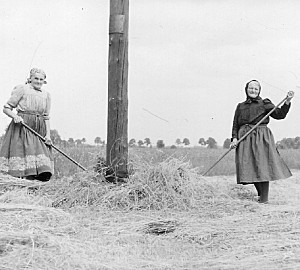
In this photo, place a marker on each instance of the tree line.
(289, 143)
(285, 143)
(209, 143)
(57, 140)
(71, 142)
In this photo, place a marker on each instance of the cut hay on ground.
(166, 217)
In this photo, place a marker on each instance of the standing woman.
(23, 154)
(257, 159)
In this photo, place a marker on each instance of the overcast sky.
(189, 61)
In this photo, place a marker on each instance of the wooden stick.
(246, 134)
(57, 149)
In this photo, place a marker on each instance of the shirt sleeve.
(279, 113)
(235, 127)
(48, 107)
(15, 98)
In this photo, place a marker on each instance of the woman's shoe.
(266, 202)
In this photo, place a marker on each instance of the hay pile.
(170, 184)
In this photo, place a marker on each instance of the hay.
(154, 221)
(28, 230)
(171, 184)
(25, 196)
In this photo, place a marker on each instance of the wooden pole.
(117, 121)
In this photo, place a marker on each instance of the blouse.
(27, 99)
(252, 111)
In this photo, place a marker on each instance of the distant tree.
(55, 137)
(178, 141)
(83, 140)
(160, 144)
(64, 143)
(226, 144)
(297, 142)
(211, 142)
(140, 143)
(173, 146)
(288, 143)
(97, 141)
(202, 142)
(147, 141)
(132, 143)
(71, 142)
(78, 142)
(186, 141)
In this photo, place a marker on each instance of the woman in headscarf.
(257, 159)
(23, 154)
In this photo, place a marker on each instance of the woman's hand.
(48, 140)
(233, 143)
(18, 119)
(289, 96)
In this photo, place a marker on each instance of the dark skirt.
(23, 153)
(257, 158)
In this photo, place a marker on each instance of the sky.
(189, 61)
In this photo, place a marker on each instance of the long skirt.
(23, 153)
(257, 158)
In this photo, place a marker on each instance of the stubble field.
(167, 216)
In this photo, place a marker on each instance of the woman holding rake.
(257, 159)
(24, 154)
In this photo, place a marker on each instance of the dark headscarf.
(250, 99)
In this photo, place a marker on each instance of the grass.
(168, 216)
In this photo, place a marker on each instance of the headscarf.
(251, 99)
(34, 71)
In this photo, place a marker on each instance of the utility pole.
(117, 121)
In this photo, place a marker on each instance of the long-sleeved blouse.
(27, 99)
(252, 111)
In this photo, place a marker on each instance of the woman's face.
(37, 80)
(253, 89)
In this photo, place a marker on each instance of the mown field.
(167, 216)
